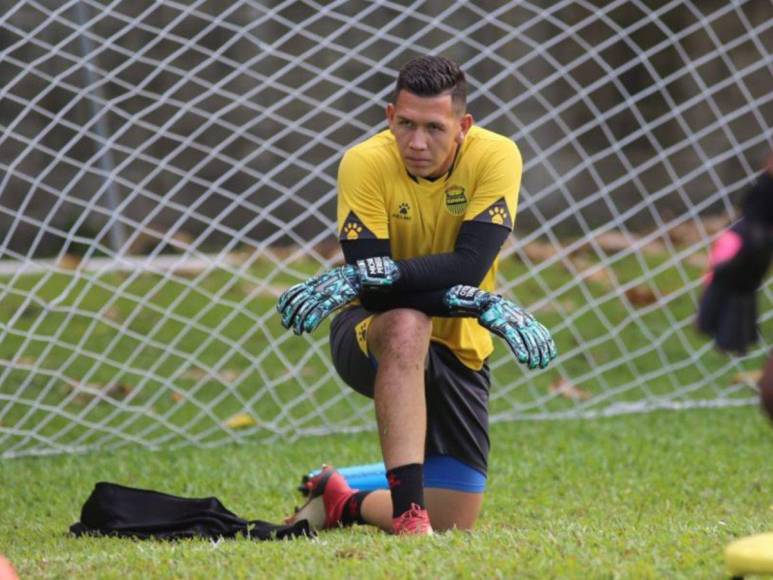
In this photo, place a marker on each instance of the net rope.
(167, 169)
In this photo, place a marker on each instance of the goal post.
(168, 168)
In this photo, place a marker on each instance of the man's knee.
(452, 510)
(403, 332)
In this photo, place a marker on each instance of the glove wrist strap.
(378, 272)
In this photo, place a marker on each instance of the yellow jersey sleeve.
(496, 194)
(362, 212)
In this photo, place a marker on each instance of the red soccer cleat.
(413, 522)
(328, 494)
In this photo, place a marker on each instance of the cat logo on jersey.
(497, 213)
(456, 200)
(354, 229)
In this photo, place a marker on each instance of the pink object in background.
(726, 246)
(6, 570)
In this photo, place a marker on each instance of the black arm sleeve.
(360, 249)
(476, 247)
(430, 303)
(424, 280)
(475, 250)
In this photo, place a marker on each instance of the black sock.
(352, 513)
(407, 486)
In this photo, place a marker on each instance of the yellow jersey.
(379, 199)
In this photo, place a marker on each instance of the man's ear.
(464, 126)
(390, 114)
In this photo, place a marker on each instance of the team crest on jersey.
(354, 229)
(456, 199)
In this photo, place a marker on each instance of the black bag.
(116, 510)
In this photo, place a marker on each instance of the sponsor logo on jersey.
(497, 213)
(354, 229)
(456, 199)
(403, 212)
(361, 333)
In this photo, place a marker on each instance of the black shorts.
(457, 396)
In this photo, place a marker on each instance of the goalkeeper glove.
(528, 339)
(305, 305)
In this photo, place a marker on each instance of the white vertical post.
(114, 225)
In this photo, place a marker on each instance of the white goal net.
(167, 168)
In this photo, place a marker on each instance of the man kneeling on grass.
(423, 210)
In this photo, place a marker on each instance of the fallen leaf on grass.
(22, 361)
(748, 377)
(118, 390)
(310, 371)
(194, 373)
(188, 272)
(113, 314)
(83, 393)
(612, 242)
(261, 290)
(177, 396)
(228, 375)
(225, 376)
(699, 260)
(283, 253)
(684, 234)
(654, 248)
(184, 238)
(240, 421)
(150, 238)
(69, 262)
(86, 392)
(601, 276)
(568, 390)
(539, 251)
(717, 223)
(561, 306)
(640, 296)
(591, 272)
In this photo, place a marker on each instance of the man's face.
(428, 132)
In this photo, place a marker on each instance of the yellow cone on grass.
(750, 555)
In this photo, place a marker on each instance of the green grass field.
(642, 496)
(98, 361)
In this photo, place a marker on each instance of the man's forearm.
(476, 248)
(430, 303)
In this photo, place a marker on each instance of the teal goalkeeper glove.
(305, 305)
(528, 339)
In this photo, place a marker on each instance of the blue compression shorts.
(445, 472)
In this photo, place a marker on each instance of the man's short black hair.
(430, 76)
